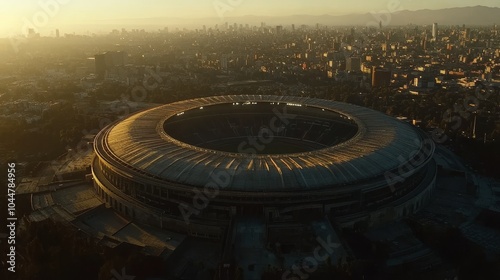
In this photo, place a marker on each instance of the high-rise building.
(353, 64)
(434, 31)
(336, 46)
(108, 61)
(467, 33)
(224, 62)
(57, 33)
(279, 29)
(381, 77)
(100, 65)
(424, 44)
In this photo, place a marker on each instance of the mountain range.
(470, 16)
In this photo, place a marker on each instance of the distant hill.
(477, 15)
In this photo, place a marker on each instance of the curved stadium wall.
(192, 166)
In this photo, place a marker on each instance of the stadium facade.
(193, 166)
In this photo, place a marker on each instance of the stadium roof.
(140, 142)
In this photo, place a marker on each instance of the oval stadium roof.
(139, 141)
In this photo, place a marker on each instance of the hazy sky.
(16, 14)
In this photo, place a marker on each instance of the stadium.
(193, 166)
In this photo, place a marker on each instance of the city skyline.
(94, 16)
(361, 146)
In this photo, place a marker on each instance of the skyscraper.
(434, 31)
(224, 62)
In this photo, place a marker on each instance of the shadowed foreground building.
(195, 165)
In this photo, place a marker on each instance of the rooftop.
(140, 143)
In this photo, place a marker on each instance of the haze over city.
(98, 16)
(250, 139)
